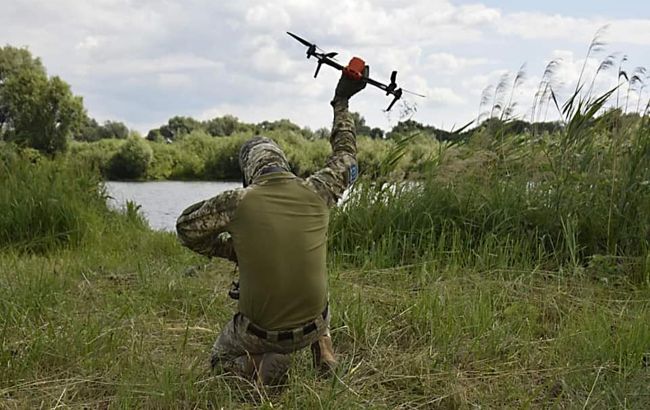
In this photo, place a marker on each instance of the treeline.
(198, 155)
(40, 112)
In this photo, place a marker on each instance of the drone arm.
(331, 63)
(376, 83)
(398, 94)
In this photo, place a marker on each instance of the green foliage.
(360, 124)
(223, 159)
(14, 61)
(553, 201)
(175, 128)
(132, 160)
(96, 155)
(226, 126)
(88, 130)
(46, 204)
(113, 129)
(36, 111)
(198, 155)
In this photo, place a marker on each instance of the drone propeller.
(318, 66)
(393, 84)
(302, 40)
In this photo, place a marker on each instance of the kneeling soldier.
(275, 228)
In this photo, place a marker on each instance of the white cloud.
(450, 63)
(174, 80)
(476, 14)
(88, 43)
(576, 30)
(146, 61)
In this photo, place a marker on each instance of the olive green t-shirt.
(279, 233)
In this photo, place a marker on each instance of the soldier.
(275, 228)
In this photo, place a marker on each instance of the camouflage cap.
(259, 153)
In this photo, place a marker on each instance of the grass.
(422, 318)
(126, 327)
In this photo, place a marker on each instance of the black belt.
(285, 334)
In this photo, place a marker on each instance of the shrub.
(132, 160)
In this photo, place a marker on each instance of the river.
(163, 201)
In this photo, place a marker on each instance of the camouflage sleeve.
(341, 168)
(203, 227)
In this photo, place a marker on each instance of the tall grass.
(552, 200)
(46, 204)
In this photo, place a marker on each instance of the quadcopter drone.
(354, 70)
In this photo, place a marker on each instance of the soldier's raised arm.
(203, 227)
(341, 168)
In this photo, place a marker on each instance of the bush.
(132, 160)
(97, 155)
(223, 162)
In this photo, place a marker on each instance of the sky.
(143, 61)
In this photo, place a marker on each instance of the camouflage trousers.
(236, 350)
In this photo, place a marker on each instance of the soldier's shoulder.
(229, 199)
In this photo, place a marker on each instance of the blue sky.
(142, 62)
(584, 8)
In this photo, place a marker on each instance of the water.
(163, 201)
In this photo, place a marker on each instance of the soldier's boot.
(273, 368)
(323, 355)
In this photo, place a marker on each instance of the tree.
(360, 124)
(278, 125)
(178, 126)
(322, 133)
(132, 160)
(376, 133)
(35, 110)
(113, 129)
(88, 130)
(409, 127)
(225, 126)
(13, 61)
(155, 135)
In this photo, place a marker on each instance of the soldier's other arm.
(203, 227)
(341, 168)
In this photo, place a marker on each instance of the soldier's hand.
(347, 87)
